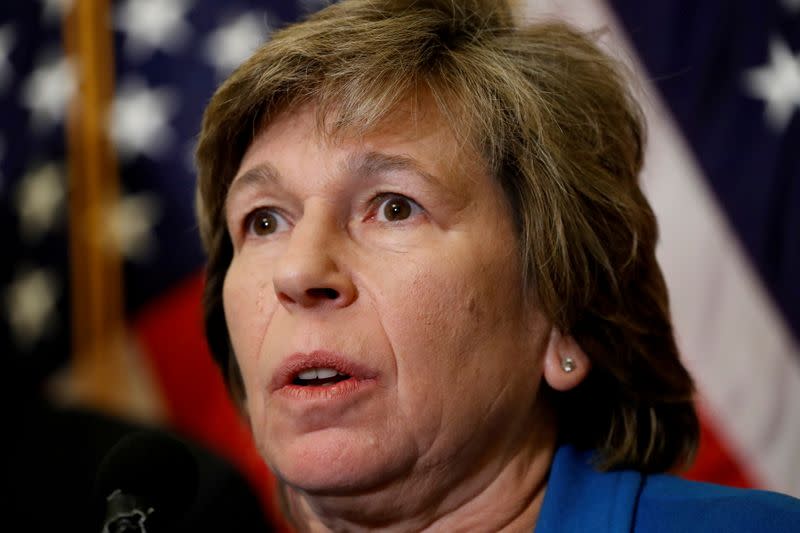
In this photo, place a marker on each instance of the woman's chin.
(337, 461)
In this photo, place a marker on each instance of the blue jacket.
(581, 499)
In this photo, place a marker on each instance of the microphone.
(145, 483)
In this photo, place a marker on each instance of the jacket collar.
(579, 498)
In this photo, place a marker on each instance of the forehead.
(414, 132)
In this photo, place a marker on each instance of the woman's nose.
(309, 274)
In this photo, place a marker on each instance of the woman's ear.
(565, 362)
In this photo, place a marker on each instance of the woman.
(432, 281)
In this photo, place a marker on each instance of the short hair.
(554, 119)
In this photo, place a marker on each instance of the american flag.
(720, 82)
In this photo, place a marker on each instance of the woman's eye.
(263, 222)
(395, 208)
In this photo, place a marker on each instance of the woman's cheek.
(434, 317)
(246, 303)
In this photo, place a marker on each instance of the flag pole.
(98, 369)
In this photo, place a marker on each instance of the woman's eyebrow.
(258, 176)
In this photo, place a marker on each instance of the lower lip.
(345, 389)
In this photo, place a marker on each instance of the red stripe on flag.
(170, 330)
(714, 462)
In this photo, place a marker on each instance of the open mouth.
(319, 377)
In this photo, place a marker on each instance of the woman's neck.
(505, 494)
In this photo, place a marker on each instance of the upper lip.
(300, 361)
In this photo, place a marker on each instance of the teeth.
(325, 373)
(317, 373)
(308, 374)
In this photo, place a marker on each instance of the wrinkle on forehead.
(418, 113)
(449, 164)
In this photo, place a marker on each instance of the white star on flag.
(39, 199)
(151, 25)
(7, 36)
(48, 90)
(791, 5)
(232, 43)
(30, 304)
(778, 84)
(54, 10)
(140, 119)
(130, 226)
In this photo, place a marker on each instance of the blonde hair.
(553, 118)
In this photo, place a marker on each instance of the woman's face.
(375, 307)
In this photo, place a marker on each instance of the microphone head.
(147, 472)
